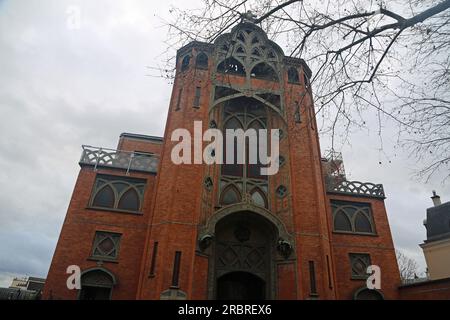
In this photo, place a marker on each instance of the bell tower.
(225, 231)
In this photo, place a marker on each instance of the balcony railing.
(355, 188)
(103, 157)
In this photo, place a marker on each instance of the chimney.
(436, 199)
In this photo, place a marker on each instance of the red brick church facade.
(142, 227)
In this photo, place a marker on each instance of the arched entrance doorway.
(243, 256)
(96, 284)
(367, 294)
(240, 286)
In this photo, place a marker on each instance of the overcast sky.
(62, 87)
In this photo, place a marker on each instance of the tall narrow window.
(153, 263)
(197, 97)
(312, 279)
(177, 107)
(185, 63)
(176, 269)
(293, 75)
(330, 284)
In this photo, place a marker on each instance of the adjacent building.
(436, 247)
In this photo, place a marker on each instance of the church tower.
(143, 226)
(226, 231)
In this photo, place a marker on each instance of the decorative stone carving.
(249, 16)
(205, 241)
(284, 248)
(208, 183)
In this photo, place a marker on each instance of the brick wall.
(75, 242)
(379, 246)
(428, 290)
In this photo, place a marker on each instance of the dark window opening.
(176, 269)
(254, 169)
(179, 99)
(312, 278)
(232, 169)
(201, 61)
(198, 92)
(293, 75)
(330, 284)
(264, 71)
(362, 224)
(104, 198)
(129, 201)
(185, 63)
(342, 223)
(231, 66)
(153, 262)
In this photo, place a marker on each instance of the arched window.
(231, 66)
(201, 61)
(341, 222)
(232, 169)
(245, 114)
(362, 224)
(118, 193)
(264, 71)
(254, 169)
(352, 217)
(258, 198)
(104, 198)
(230, 195)
(293, 75)
(185, 63)
(367, 294)
(129, 201)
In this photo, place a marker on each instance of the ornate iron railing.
(103, 157)
(356, 188)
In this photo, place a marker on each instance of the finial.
(248, 17)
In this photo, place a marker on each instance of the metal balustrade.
(356, 188)
(104, 157)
